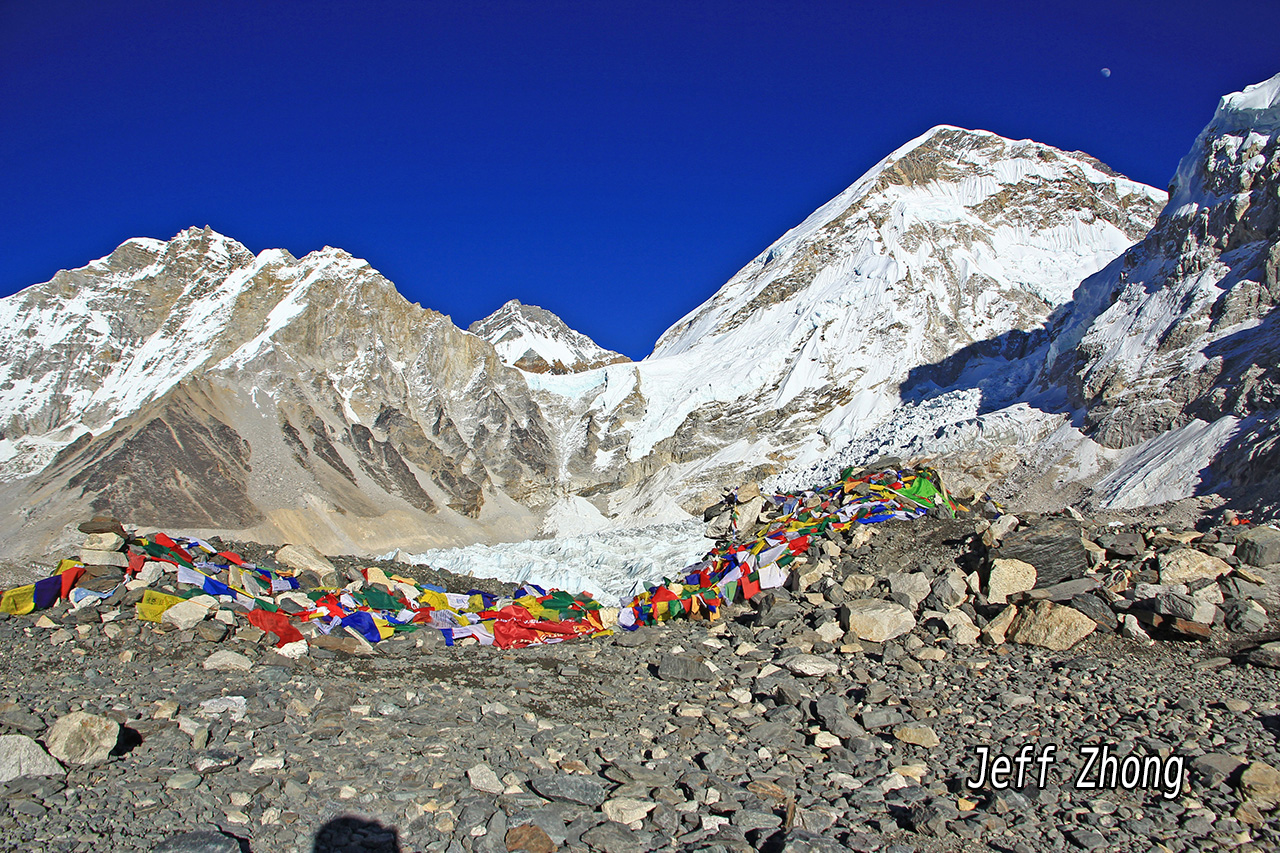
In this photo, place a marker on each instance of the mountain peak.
(536, 340)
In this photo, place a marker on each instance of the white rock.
(830, 632)
(267, 762)
(914, 585)
(225, 660)
(185, 615)
(83, 739)
(1130, 627)
(626, 809)
(103, 542)
(303, 558)
(219, 705)
(961, 628)
(811, 665)
(21, 756)
(151, 571)
(877, 621)
(483, 778)
(104, 558)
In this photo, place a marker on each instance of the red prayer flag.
(274, 623)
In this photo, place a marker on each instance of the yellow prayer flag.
(19, 601)
(154, 604)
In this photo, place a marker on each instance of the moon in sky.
(1106, 72)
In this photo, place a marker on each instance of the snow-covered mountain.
(1158, 380)
(1000, 306)
(190, 383)
(957, 237)
(536, 340)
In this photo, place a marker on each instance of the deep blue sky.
(615, 162)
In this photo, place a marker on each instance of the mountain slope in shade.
(536, 340)
(958, 237)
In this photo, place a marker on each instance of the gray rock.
(1185, 607)
(1053, 545)
(183, 780)
(749, 819)
(574, 788)
(684, 668)
(1096, 609)
(947, 592)
(616, 838)
(82, 739)
(802, 841)
(1259, 546)
(1087, 839)
(1214, 768)
(1064, 591)
(879, 718)
(931, 818)
(1245, 616)
(198, 842)
(22, 756)
(1122, 545)
(1234, 587)
(833, 712)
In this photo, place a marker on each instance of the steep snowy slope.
(536, 340)
(1159, 379)
(1190, 333)
(957, 237)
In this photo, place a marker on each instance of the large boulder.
(1053, 626)
(21, 756)
(304, 558)
(1184, 565)
(1053, 545)
(875, 620)
(1259, 546)
(82, 739)
(1009, 577)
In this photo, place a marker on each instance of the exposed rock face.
(537, 341)
(1186, 331)
(190, 384)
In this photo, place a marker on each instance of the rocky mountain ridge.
(209, 387)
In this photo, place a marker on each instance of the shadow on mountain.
(1002, 369)
(347, 834)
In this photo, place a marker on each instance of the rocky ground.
(776, 728)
